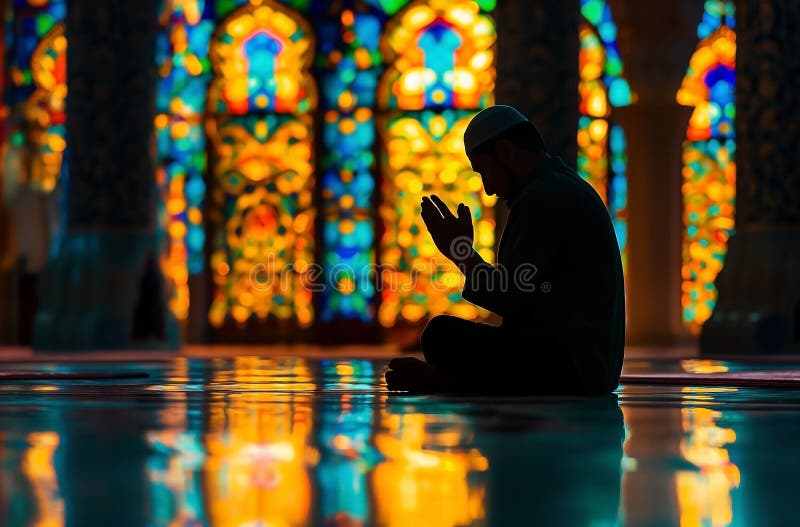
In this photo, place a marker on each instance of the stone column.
(537, 67)
(656, 40)
(537, 72)
(758, 309)
(103, 285)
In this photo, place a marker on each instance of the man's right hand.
(453, 235)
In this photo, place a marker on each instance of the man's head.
(500, 143)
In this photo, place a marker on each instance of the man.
(558, 283)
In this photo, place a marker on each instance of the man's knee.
(436, 333)
(439, 326)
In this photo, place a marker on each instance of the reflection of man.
(558, 284)
(561, 464)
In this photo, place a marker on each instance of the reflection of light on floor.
(418, 485)
(258, 446)
(37, 466)
(703, 366)
(345, 428)
(174, 468)
(704, 495)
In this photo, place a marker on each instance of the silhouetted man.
(558, 283)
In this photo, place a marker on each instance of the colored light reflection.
(704, 494)
(422, 481)
(30, 492)
(263, 452)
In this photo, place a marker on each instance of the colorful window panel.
(36, 89)
(184, 74)
(261, 134)
(440, 59)
(350, 63)
(709, 170)
(602, 154)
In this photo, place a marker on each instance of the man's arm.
(515, 288)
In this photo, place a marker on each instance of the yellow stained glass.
(440, 58)
(261, 135)
(416, 279)
(709, 168)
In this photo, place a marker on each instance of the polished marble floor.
(290, 441)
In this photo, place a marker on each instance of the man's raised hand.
(453, 235)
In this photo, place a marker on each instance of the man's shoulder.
(555, 188)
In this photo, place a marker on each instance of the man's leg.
(472, 357)
(454, 350)
(457, 347)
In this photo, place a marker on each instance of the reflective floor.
(257, 442)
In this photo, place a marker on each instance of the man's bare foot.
(413, 375)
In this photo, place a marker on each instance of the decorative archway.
(261, 177)
(440, 71)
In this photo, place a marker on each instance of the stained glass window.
(35, 90)
(349, 63)
(602, 157)
(184, 74)
(261, 133)
(440, 58)
(709, 171)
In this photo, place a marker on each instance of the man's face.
(495, 176)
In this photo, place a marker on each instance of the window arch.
(261, 142)
(709, 170)
(36, 90)
(440, 58)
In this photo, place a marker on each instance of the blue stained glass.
(607, 31)
(368, 30)
(195, 188)
(348, 140)
(619, 92)
(715, 14)
(439, 44)
(196, 237)
(617, 139)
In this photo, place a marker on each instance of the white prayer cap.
(489, 123)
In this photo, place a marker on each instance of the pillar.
(537, 72)
(537, 67)
(758, 307)
(656, 40)
(102, 288)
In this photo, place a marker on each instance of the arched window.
(184, 73)
(440, 58)
(349, 67)
(709, 171)
(602, 156)
(260, 130)
(35, 91)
